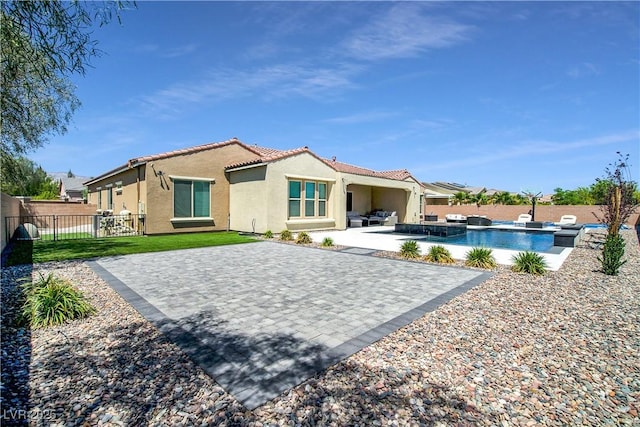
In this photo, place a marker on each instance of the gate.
(67, 227)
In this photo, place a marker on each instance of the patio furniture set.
(378, 217)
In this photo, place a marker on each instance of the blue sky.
(508, 95)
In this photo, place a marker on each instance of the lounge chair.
(456, 218)
(567, 220)
(354, 219)
(391, 219)
(522, 220)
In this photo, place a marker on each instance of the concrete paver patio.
(260, 318)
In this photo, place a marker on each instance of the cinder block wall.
(551, 213)
(56, 207)
(10, 207)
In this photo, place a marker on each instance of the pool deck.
(372, 238)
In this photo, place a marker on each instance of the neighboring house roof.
(74, 184)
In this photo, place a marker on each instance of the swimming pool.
(519, 240)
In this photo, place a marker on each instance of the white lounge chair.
(522, 220)
(567, 220)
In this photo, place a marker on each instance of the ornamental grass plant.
(53, 301)
(481, 258)
(439, 254)
(529, 262)
(410, 249)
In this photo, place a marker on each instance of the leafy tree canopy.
(43, 44)
(22, 177)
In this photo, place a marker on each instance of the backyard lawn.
(27, 252)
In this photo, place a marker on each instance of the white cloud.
(537, 148)
(585, 69)
(370, 116)
(267, 83)
(404, 32)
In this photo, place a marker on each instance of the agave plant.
(529, 262)
(410, 249)
(481, 258)
(439, 254)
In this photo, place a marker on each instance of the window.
(322, 199)
(191, 199)
(309, 198)
(314, 195)
(295, 190)
(99, 199)
(110, 198)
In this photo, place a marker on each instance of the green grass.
(27, 252)
(66, 236)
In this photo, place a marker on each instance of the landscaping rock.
(517, 350)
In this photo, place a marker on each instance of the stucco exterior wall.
(262, 193)
(378, 193)
(125, 197)
(248, 200)
(209, 164)
(10, 207)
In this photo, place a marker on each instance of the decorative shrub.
(612, 253)
(53, 301)
(529, 262)
(327, 242)
(286, 235)
(439, 254)
(480, 257)
(410, 249)
(303, 238)
(268, 234)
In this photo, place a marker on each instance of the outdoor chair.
(522, 219)
(567, 220)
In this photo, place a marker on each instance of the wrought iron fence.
(67, 227)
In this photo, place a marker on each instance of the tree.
(620, 200)
(43, 44)
(503, 198)
(620, 204)
(22, 177)
(460, 197)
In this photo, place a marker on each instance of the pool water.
(536, 241)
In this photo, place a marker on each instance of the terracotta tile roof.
(191, 150)
(269, 155)
(398, 175)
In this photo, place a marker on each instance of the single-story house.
(236, 186)
(70, 187)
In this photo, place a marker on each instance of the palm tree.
(503, 198)
(460, 197)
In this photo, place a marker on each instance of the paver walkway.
(261, 318)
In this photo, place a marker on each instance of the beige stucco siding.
(205, 165)
(371, 193)
(248, 199)
(273, 193)
(124, 190)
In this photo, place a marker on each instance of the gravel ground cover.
(522, 350)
